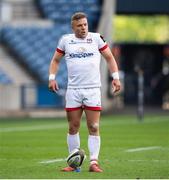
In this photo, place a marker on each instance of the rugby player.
(82, 51)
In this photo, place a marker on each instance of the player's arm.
(112, 65)
(53, 69)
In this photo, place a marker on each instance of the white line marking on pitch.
(150, 160)
(32, 128)
(143, 149)
(52, 161)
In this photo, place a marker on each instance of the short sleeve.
(61, 45)
(101, 43)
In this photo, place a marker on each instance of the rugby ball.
(76, 158)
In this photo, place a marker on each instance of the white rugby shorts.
(86, 98)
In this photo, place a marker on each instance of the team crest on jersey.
(81, 49)
(89, 40)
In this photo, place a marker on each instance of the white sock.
(73, 141)
(94, 147)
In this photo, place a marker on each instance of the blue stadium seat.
(62, 10)
(35, 48)
(4, 78)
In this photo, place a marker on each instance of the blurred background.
(137, 32)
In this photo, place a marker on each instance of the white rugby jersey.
(82, 59)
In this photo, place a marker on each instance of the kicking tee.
(82, 59)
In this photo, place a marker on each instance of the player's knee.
(74, 128)
(94, 128)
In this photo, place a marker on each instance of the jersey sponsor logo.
(81, 52)
(80, 55)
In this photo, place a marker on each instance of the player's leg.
(92, 105)
(74, 113)
(93, 118)
(73, 139)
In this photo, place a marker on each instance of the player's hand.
(116, 85)
(53, 86)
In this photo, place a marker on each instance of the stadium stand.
(34, 46)
(4, 78)
(60, 11)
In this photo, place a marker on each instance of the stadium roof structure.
(143, 7)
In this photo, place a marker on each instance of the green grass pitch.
(35, 148)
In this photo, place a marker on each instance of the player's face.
(80, 28)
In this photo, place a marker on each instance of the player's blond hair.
(78, 15)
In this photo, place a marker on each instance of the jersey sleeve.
(61, 46)
(102, 45)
